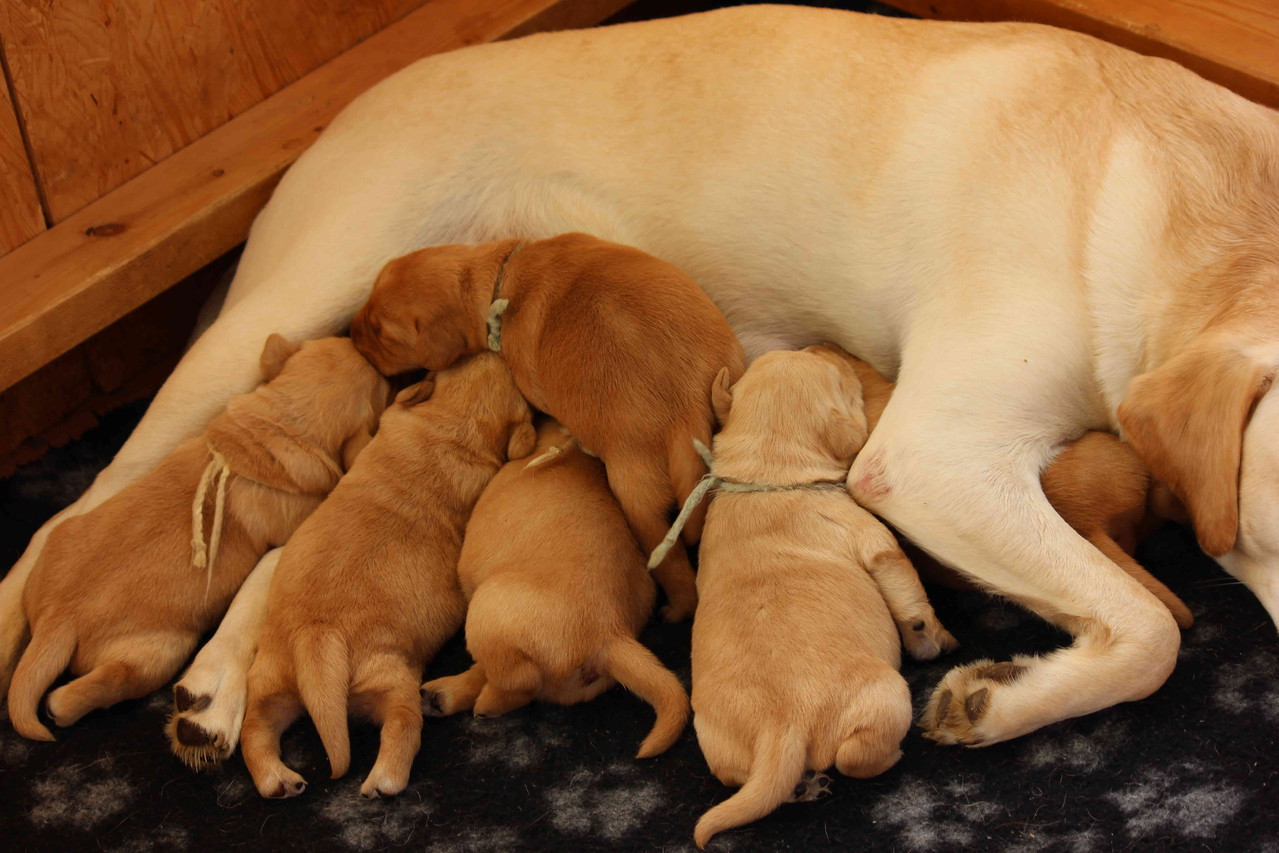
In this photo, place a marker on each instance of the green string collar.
(497, 305)
(714, 481)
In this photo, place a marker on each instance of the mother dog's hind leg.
(974, 501)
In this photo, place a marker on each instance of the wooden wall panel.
(1231, 42)
(20, 214)
(110, 87)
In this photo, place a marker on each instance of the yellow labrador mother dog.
(1034, 232)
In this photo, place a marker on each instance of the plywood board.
(20, 214)
(111, 87)
(1231, 42)
(132, 244)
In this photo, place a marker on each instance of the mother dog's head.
(1208, 428)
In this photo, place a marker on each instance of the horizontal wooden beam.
(1231, 42)
(135, 242)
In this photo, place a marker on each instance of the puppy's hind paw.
(282, 784)
(960, 708)
(442, 697)
(926, 638)
(381, 783)
(813, 785)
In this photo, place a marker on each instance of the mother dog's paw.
(959, 710)
(204, 729)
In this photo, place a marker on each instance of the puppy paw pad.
(813, 785)
(433, 703)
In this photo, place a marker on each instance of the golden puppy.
(618, 346)
(366, 591)
(557, 592)
(1097, 484)
(795, 650)
(123, 593)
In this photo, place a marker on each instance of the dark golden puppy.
(557, 594)
(620, 347)
(122, 593)
(366, 591)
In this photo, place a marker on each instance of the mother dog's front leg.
(976, 504)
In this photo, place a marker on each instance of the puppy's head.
(428, 309)
(812, 396)
(319, 406)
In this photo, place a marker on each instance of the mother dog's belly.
(816, 191)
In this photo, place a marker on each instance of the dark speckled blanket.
(1194, 767)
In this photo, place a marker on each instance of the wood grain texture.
(20, 214)
(111, 87)
(1231, 42)
(135, 242)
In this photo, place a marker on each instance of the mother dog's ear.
(275, 353)
(1186, 420)
(721, 395)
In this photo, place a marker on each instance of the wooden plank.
(1231, 42)
(111, 88)
(20, 214)
(172, 219)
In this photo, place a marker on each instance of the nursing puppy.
(1097, 483)
(366, 591)
(120, 594)
(557, 592)
(795, 651)
(618, 346)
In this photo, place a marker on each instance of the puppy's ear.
(522, 442)
(1186, 420)
(418, 392)
(352, 446)
(721, 395)
(276, 352)
(845, 433)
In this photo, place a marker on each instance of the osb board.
(111, 87)
(132, 244)
(20, 215)
(1231, 42)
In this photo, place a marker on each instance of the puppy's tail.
(44, 660)
(639, 671)
(778, 766)
(1180, 612)
(324, 677)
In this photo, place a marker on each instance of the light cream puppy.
(795, 650)
(366, 591)
(1025, 227)
(557, 591)
(123, 593)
